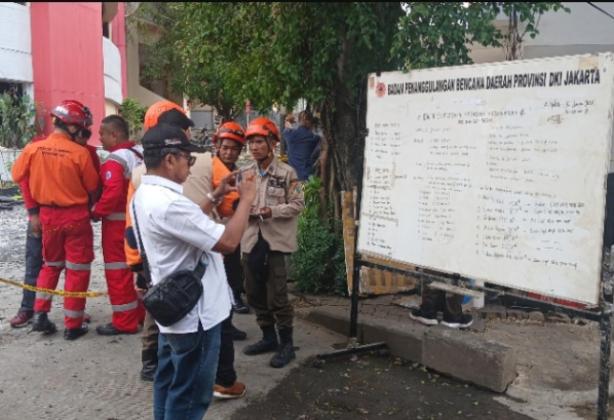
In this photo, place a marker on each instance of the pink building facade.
(76, 51)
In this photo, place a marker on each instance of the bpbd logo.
(380, 89)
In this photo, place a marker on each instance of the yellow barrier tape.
(53, 292)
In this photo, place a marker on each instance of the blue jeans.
(34, 261)
(183, 385)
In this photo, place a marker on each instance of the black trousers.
(226, 374)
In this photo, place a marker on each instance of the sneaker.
(237, 390)
(423, 318)
(22, 319)
(459, 321)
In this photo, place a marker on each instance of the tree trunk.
(343, 122)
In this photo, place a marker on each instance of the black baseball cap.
(176, 118)
(163, 136)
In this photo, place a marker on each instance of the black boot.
(237, 334)
(150, 364)
(267, 344)
(71, 334)
(285, 352)
(42, 324)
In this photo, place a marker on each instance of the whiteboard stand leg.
(605, 327)
(353, 347)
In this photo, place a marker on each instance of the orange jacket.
(60, 171)
(220, 170)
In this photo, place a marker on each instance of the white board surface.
(495, 171)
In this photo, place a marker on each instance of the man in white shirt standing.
(176, 234)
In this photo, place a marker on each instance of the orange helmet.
(157, 109)
(230, 130)
(264, 127)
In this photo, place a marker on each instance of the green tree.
(17, 120)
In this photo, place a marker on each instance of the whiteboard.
(494, 171)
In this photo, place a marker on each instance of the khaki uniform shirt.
(198, 183)
(278, 189)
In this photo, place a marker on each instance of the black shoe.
(285, 352)
(42, 324)
(267, 344)
(240, 307)
(237, 334)
(423, 318)
(109, 329)
(458, 321)
(74, 333)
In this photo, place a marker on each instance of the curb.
(464, 356)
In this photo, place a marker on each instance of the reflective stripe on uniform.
(73, 314)
(122, 162)
(54, 263)
(43, 296)
(81, 267)
(116, 216)
(125, 306)
(115, 266)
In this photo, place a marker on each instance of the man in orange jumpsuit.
(115, 175)
(63, 181)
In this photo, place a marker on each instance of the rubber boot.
(267, 344)
(150, 364)
(285, 352)
(42, 324)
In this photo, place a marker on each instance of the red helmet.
(230, 130)
(157, 109)
(264, 127)
(72, 112)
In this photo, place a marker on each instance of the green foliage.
(17, 122)
(440, 34)
(134, 113)
(319, 263)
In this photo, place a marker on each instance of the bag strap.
(140, 245)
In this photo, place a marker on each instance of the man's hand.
(35, 225)
(266, 212)
(247, 187)
(227, 185)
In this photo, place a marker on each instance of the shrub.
(17, 122)
(318, 266)
(134, 113)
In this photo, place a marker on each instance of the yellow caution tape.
(53, 292)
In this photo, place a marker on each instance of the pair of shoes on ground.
(24, 318)
(41, 323)
(283, 348)
(110, 329)
(460, 321)
(236, 390)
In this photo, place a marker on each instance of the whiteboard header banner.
(495, 171)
